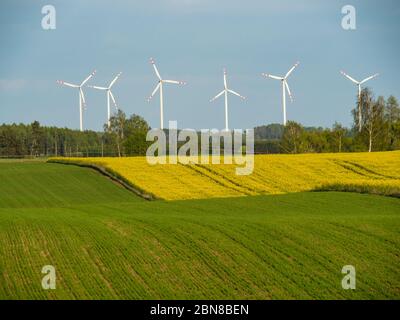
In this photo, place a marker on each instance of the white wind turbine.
(109, 96)
(285, 86)
(359, 83)
(82, 101)
(160, 87)
(226, 91)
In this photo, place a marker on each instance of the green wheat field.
(107, 243)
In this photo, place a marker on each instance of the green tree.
(392, 110)
(136, 129)
(292, 138)
(272, 131)
(36, 138)
(392, 115)
(316, 140)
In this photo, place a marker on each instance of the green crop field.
(106, 243)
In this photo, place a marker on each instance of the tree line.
(126, 136)
(380, 131)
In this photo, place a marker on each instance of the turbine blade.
(155, 68)
(291, 69)
(348, 77)
(236, 94)
(218, 95)
(271, 76)
(225, 82)
(115, 79)
(83, 97)
(112, 98)
(369, 78)
(67, 84)
(88, 78)
(174, 82)
(154, 92)
(288, 90)
(98, 88)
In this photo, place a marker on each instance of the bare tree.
(373, 117)
(116, 129)
(338, 133)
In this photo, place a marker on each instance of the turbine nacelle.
(159, 87)
(285, 87)
(225, 91)
(356, 81)
(359, 83)
(82, 100)
(109, 95)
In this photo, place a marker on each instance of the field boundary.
(386, 191)
(111, 174)
(363, 173)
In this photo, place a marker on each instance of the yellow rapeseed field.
(273, 174)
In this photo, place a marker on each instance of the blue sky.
(193, 40)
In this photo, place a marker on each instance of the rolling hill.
(108, 243)
(273, 174)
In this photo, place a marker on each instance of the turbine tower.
(359, 83)
(285, 87)
(226, 91)
(109, 96)
(82, 101)
(159, 86)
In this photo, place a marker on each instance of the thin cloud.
(240, 6)
(12, 84)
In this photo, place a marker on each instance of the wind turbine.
(109, 96)
(82, 101)
(285, 86)
(226, 91)
(160, 87)
(359, 83)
